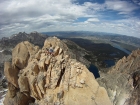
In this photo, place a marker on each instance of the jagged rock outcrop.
(8, 43)
(51, 79)
(122, 82)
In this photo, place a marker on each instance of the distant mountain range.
(98, 35)
(33, 37)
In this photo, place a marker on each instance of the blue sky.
(112, 16)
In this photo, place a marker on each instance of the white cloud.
(136, 2)
(60, 15)
(124, 7)
(94, 6)
(92, 20)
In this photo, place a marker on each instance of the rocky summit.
(39, 77)
(122, 81)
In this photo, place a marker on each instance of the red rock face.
(52, 79)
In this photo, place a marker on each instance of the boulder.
(11, 73)
(20, 55)
(19, 99)
(23, 84)
(11, 90)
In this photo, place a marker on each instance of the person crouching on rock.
(51, 51)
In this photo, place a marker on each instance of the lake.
(94, 70)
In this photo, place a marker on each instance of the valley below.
(102, 55)
(102, 49)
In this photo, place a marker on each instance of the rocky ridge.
(8, 43)
(122, 81)
(38, 78)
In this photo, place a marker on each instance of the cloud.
(34, 12)
(93, 20)
(136, 2)
(50, 15)
(123, 7)
(94, 6)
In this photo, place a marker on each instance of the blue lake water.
(94, 70)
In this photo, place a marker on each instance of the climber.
(51, 51)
